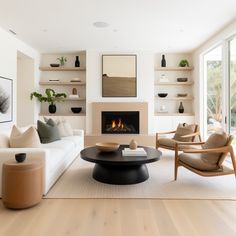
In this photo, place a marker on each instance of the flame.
(117, 124)
(113, 124)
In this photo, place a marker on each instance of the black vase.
(20, 157)
(163, 61)
(77, 62)
(52, 108)
(181, 108)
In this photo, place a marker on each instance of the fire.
(117, 124)
(113, 124)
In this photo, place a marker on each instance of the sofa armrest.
(78, 132)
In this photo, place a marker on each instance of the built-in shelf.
(74, 99)
(62, 83)
(173, 114)
(174, 98)
(174, 83)
(174, 68)
(42, 68)
(63, 114)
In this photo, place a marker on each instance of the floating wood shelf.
(74, 99)
(174, 83)
(62, 83)
(174, 98)
(173, 114)
(42, 68)
(63, 114)
(174, 68)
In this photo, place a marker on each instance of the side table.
(22, 183)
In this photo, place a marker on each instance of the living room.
(182, 58)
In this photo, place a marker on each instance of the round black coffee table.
(113, 168)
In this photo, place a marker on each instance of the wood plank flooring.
(121, 217)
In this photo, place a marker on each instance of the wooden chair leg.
(233, 159)
(157, 143)
(176, 161)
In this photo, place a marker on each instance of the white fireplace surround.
(98, 107)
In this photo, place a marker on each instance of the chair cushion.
(184, 129)
(209, 161)
(168, 142)
(27, 139)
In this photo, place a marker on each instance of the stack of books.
(134, 152)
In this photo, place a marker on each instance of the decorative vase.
(20, 157)
(77, 62)
(133, 144)
(52, 108)
(74, 91)
(181, 108)
(163, 61)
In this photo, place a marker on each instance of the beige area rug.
(77, 182)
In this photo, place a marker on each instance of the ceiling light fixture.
(100, 24)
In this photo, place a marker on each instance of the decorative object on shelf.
(74, 91)
(76, 109)
(163, 78)
(54, 80)
(107, 147)
(182, 94)
(6, 99)
(20, 157)
(163, 61)
(182, 79)
(54, 65)
(184, 63)
(77, 62)
(50, 96)
(181, 108)
(133, 144)
(162, 95)
(75, 80)
(62, 60)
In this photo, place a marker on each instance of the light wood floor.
(125, 217)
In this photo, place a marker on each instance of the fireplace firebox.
(120, 122)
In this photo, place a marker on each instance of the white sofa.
(56, 156)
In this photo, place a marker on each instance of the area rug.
(77, 182)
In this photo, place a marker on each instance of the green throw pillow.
(48, 132)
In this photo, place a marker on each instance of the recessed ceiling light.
(100, 24)
(11, 31)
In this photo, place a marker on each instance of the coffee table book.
(134, 152)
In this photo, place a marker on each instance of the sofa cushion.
(27, 139)
(48, 132)
(4, 141)
(184, 129)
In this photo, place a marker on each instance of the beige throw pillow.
(184, 129)
(27, 139)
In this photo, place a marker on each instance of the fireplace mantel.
(98, 107)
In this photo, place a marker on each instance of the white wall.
(8, 60)
(226, 33)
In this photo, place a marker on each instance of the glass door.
(232, 76)
(213, 78)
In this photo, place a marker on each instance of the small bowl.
(20, 157)
(107, 147)
(54, 65)
(182, 95)
(162, 95)
(182, 79)
(76, 109)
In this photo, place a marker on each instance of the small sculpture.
(133, 144)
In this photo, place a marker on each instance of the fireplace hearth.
(120, 122)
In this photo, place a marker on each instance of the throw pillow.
(4, 141)
(26, 139)
(184, 129)
(47, 132)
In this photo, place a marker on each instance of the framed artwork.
(6, 93)
(119, 75)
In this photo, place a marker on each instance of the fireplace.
(120, 122)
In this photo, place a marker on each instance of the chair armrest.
(210, 150)
(168, 132)
(190, 135)
(78, 132)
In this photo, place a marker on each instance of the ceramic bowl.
(162, 95)
(54, 65)
(182, 79)
(182, 95)
(20, 157)
(76, 109)
(107, 147)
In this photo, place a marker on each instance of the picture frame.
(119, 75)
(6, 100)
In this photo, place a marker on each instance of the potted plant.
(50, 96)
(184, 63)
(62, 60)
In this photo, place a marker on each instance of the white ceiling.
(157, 25)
